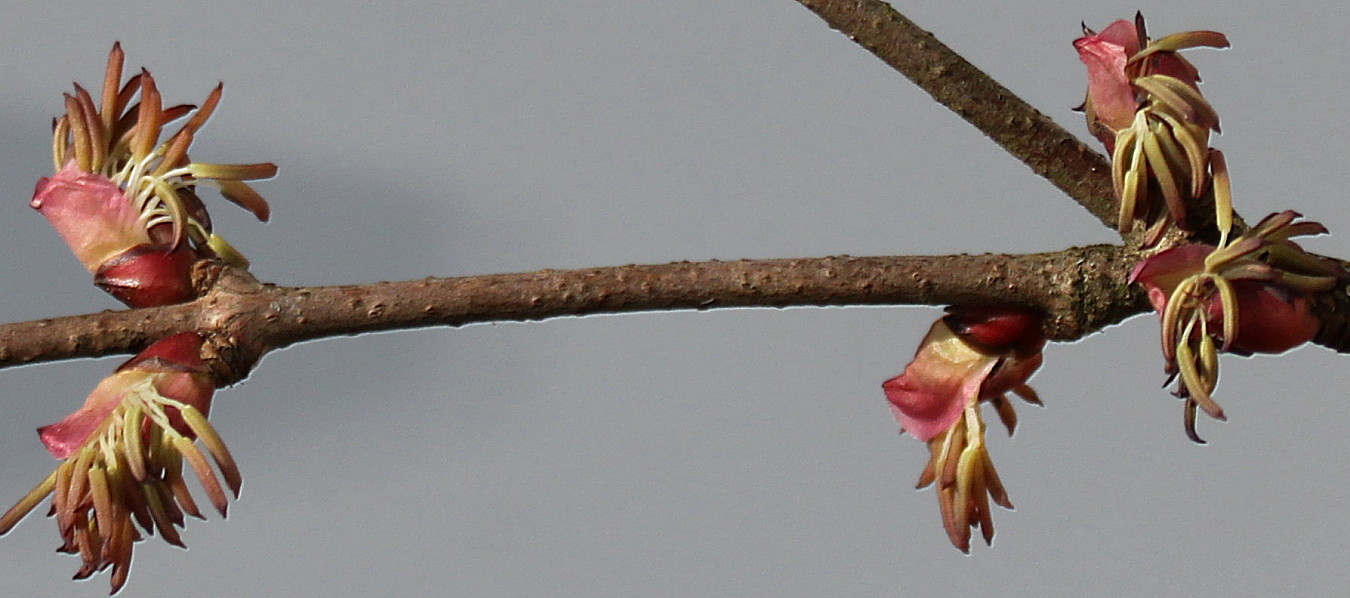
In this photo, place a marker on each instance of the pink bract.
(953, 370)
(90, 213)
(1110, 97)
(937, 384)
(1160, 273)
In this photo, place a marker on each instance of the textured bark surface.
(1080, 288)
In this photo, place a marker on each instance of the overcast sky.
(728, 453)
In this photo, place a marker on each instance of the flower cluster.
(1249, 296)
(1145, 106)
(1243, 295)
(126, 204)
(1252, 293)
(974, 354)
(123, 455)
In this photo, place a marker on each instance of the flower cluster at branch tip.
(974, 354)
(125, 202)
(123, 455)
(1249, 296)
(1144, 104)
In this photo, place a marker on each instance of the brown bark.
(1080, 288)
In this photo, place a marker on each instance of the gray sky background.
(731, 453)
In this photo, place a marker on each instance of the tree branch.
(1081, 288)
(1014, 125)
(1023, 131)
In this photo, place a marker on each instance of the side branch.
(1014, 125)
(1080, 288)
(1025, 133)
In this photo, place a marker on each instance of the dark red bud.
(178, 353)
(189, 380)
(149, 276)
(1271, 318)
(997, 328)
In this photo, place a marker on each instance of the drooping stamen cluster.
(1145, 105)
(1249, 296)
(123, 457)
(967, 481)
(974, 354)
(120, 141)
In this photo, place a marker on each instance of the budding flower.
(121, 195)
(109, 237)
(1144, 104)
(123, 453)
(1249, 296)
(974, 354)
